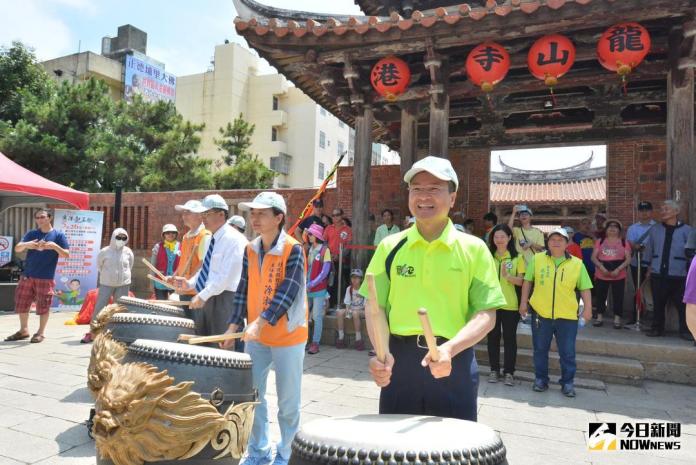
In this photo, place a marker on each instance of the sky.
(183, 35)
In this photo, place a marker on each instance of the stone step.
(607, 369)
(667, 359)
(521, 375)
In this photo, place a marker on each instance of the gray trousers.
(105, 293)
(213, 317)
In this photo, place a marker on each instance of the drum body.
(135, 305)
(127, 327)
(163, 389)
(396, 440)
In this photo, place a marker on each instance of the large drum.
(127, 327)
(396, 440)
(175, 404)
(135, 305)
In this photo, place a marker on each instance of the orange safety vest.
(189, 263)
(261, 287)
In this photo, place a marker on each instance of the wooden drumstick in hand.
(152, 268)
(428, 333)
(376, 321)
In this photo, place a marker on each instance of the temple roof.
(566, 193)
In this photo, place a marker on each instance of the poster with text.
(5, 250)
(77, 274)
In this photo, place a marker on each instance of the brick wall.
(636, 171)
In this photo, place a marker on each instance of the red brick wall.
(473, 168)
(386, 191)
(636, 171)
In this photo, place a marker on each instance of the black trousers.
(505, 325)
(414, 391)
(602, 287)
(634, 277)
(665, 290)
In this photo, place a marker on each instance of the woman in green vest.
(556, 275)
(511, 267)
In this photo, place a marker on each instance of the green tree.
(20, 76)
(236, 139)
(247, 173)
(244, 170)
(80, 137)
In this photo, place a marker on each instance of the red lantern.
(550, 58)
(390, 77)
(487, 65)
(622, 47)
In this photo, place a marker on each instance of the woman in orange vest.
(193, 248)
(272, 295)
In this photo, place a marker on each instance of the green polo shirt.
(453, 277)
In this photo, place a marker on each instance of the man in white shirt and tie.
(217, 279)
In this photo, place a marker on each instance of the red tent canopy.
(18, 185)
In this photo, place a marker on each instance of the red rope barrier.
(360, 247)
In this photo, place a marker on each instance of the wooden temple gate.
(330, 58)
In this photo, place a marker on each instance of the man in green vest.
(556, 276)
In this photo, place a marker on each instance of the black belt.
(418, 340)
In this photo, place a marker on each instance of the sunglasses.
(122, 238)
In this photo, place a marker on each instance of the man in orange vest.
(272, 295)
(193, 248)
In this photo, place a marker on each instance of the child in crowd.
(355, 309)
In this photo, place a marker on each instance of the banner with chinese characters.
(5, 250)
(148, 80)
(77, 274)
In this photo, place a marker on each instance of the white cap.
(211, 201)
(524, 209)
(265, 200)
(189, 206)
(238, 221)
(169, 228)
(560, 232)
(441, 168)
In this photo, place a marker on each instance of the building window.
(322, 112)
(320, 174)
(281, 163)
(274, 134)
(340, 124)
(275, 102)
(340, 148)
(322, 139)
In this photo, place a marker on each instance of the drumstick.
(215, 338)
(185, 337)
(428, 333)
(164, 283)
(175, 303)
(376, 321)
(157, 272)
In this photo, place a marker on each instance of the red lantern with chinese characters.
(487, 65)
(622, 47)
(390, 77)
(550, 58)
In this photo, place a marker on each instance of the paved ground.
(44, 402)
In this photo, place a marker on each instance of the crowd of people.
(273, 286)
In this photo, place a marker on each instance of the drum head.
(400, 439)
(147, 319)
(145, 306)
(190, 354)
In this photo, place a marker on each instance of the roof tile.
(565, 192)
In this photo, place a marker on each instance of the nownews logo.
(635, 436)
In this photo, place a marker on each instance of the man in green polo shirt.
(453, 276)
(556, 276)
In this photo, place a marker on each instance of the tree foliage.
(20, 76)
(244, 170)
(78, 136)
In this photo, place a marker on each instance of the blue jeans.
(318, 304)
(543, 330)
(287, 362)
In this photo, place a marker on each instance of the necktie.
(203, 275)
